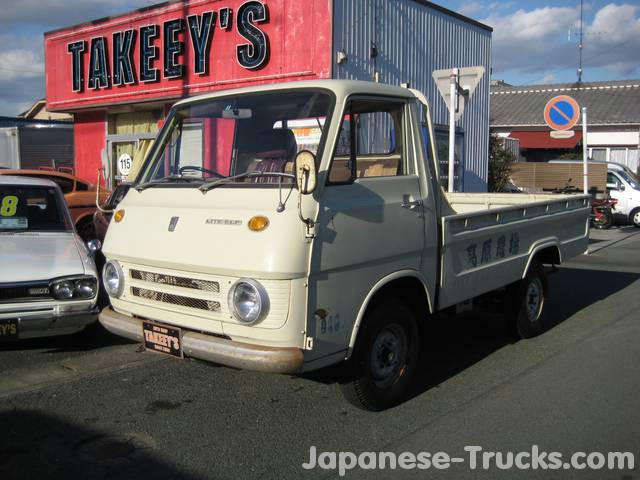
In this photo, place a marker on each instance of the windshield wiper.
(205, 187)
(167, 179)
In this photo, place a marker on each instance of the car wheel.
(385, 358)
(86, 229)
(635, 217)
(526, 309)
(606, 220)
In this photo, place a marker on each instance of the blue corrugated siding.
(413, 40)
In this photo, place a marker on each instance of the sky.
(534, 41)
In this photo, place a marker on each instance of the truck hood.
(184, 229)
(38, 256)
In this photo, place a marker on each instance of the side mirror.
(93, 246)
(306, 174)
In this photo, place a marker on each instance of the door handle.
(411, 205)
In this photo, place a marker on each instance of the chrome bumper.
(45, 324)
(214, 349)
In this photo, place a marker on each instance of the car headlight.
(248, 301)
(74, 288)
(113, 278)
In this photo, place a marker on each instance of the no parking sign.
(561, 112)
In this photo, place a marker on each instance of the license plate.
(162, 339)
(8, 329)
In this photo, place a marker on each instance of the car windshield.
(631, 179)
(32, 209)
(251, 138)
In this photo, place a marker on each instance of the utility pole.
(580, 46)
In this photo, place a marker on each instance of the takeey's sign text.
(119, 66)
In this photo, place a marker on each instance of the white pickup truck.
(288, 227)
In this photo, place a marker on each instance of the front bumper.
(214, 349)
(35, 324)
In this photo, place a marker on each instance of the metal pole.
(585, 155)
(453, 103)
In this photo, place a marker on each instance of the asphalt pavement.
(95, 406)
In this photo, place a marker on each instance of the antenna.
(580, 46)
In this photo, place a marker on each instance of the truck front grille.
(170, 298)
(183, 282)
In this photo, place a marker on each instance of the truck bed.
(488, 239)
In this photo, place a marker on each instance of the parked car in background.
(624, 186)
(79, 195)
(48, 280)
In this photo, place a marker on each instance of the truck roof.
(340, 87)
(25, 181)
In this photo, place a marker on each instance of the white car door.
(371, 220)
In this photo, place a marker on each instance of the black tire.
(86, 229)
(528, 298)
(634, 217)
(385, 358)
(606, 222)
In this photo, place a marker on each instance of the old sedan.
(48, 280)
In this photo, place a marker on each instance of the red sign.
(183, 48)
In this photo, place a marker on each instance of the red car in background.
(79, 195)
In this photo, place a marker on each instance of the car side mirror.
(306, 174)
(93, 246)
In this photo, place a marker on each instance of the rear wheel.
(635, 217)
(605, 221)
(385, 358)
(527, 307)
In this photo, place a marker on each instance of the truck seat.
(277, 149)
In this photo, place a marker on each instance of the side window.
(370, 143)
(81, 186)
(611, 178)
(65, 184)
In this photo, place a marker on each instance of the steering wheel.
(196, 168)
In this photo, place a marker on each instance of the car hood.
(39, 256)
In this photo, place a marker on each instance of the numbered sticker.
(9, 206)
(124, 164)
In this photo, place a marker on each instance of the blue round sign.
(561, 112)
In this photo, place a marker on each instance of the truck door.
(370, 222)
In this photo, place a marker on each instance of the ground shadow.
(36, 445)
(452, 343)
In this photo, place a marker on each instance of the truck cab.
(288, 227)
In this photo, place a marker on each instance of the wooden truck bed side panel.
(489, 249)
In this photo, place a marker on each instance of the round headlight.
(86, 287)
(63, 290)
(248, 301)
(113, 278)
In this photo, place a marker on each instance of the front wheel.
(528, 301)
(635, 217)
(385, 358)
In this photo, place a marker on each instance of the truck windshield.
(238, 135)
(32, 209)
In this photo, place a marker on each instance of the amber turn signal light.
(258, 223)
(118, 216)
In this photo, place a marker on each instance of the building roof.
(144, 9)
(608, 103)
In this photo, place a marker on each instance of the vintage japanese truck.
(288, 227)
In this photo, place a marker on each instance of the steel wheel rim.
(388, 355)
(534, 299)
(636, 218)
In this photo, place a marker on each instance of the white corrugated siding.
(413, 40)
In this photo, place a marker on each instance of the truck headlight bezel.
(113, 278)
(248, 301)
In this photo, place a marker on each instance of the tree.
(500, 161)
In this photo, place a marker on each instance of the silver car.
(48, 279)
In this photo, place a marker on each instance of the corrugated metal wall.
(46, 147)
(414, 39)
